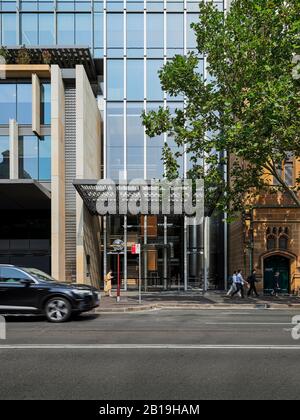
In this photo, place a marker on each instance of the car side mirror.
(26, 282)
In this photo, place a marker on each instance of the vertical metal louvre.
(70, 175)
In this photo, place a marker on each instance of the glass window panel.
(98, 30)
(154, 91)
(7, 102)
(4, 157)
(24, 103)
(135, 141)
(45, 103)
(115, 140)
(115, 25)
(45, 158)
(65, 29)
(191, 36)
(83, 29)
(9, 24)
(29, 29)
(46, 29)
(155, 30)
(115, 79)
(28, 157)
(175, 30)
(135, 30)
(155, 164)
(289, 173)
(135, 80)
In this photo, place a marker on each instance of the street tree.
(244, 112)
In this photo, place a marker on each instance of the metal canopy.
(65, 57)
(24, 194)
(90, 193)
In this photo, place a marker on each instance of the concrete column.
(36, 105)
(58, 173)
(88, 166)
(13, 149)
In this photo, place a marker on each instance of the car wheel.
(58, 310)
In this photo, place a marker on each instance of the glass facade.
(135, 38)
(4, 157)
(34, 152)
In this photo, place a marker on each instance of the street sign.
(136, 249)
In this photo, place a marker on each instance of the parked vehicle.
(31, 291)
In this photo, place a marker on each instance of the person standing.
(252, 280)
(107, 283)
(276, 284)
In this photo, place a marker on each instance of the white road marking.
(146, 346)
(248, 323)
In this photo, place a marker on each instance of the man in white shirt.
(240, 284)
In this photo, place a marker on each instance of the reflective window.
(115, 25)
(135, 80)
(7, 102)
(98, 30)
(135, 34)
(9, 36)
(175, 30)
(24, 103)
(11, 275)
(46, 29)
(29, 29)
(154, 91)
(191, 36)
(4, 157)
(115, 79)
(115, 140)
(155, 165)
(155, 34)
(135, 141)
(28, 157)
(35, 157)
(45, 158)
(65, 29)
(45, 103)
(83, 29)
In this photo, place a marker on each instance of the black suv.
(30, 291)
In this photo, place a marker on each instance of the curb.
(261, 306)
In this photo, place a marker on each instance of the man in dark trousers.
(276, 284)
(252, 280)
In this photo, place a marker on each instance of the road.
(163, 354)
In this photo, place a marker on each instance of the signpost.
(118, 246)
(136, 250)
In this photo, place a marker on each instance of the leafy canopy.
(248, 106)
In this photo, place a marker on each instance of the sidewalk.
(192, 300)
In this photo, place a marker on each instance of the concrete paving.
(192, 300)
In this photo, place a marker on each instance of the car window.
(11, 275)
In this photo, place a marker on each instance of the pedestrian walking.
(233, 284)
(107, 283)
(240, 282)
(252, 280)
(276, 284)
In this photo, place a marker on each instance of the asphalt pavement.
(159, 354)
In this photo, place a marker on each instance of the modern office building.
(75, 78)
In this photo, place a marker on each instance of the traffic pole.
(119, 281)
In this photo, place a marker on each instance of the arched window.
(271, 242)
(283, 242)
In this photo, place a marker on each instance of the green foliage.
(249, 106)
